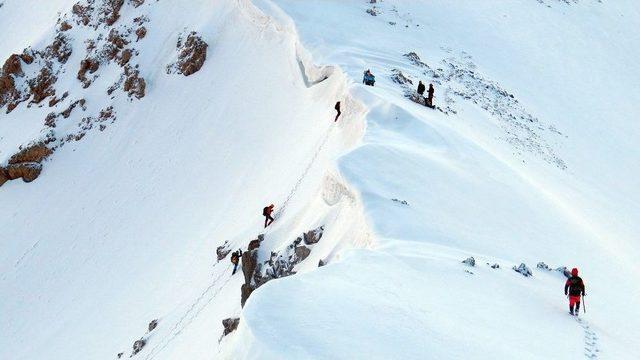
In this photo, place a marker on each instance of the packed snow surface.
(529, 157)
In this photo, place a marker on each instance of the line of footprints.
(591, 349)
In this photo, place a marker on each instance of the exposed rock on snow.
(398, 77)
(33, 153)
(134, 85)
(523, 269)
(138, 345)
(469, 261)
(26, 171)
(541, 265)
(223, 250)
(230, 325)
(401, 202)
(153, 324)
(280, 264)
(313, 236)
(192, 53)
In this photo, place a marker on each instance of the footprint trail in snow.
(591, 349)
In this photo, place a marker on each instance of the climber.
(235, 259)
(368, 78)
(574, 287)
(266, 212)
(421, 88)
(429, 100)
(337, 107)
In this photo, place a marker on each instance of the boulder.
(469, 261)
(245, 292)
(230, 325)
(138, 345)
(523, 269)
(302, 252)
(27, 171)
(33, 153)
(313, 236)
(223, 250)
(153, 324)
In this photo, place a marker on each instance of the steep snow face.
(528, 157)
(122, 225)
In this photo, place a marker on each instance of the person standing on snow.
(429, 100)
(266, 212)
(235, 259)
(337, 107)
(421, 89)
(574, 287)
(368, 78)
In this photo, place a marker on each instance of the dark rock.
(136, 3)
(120, 355)
(223, 250)
(87, 65)
(523, 269)
(541, 265)
(4, 177)
(134, 85)
(42, 86)
(153, 324)
(27, 171)
(398, 77)
(230, 325)
(33, 153)
(141, 32)
(12, 66)
(302, 252)
(249, 264)
(64, 26)
(469, 261)
(192, 54)
(313, 236)
(245, 292)
(138, 345)
(321, 263)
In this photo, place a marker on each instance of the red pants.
(573, 300)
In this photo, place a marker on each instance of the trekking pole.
(584, 305)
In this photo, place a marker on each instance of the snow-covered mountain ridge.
(529, 158)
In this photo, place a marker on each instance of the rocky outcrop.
(469, 261)
(34, 153)
(223, 250)
(523, 269)
(192, 53)
(138, 345)
(134, 85)
(25, 171)
(279, 264)
(230, 325)
(152, 325)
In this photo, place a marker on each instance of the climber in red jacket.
(266, 212)
(574, 287)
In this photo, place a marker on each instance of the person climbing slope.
(429, 100)
(421, 89)
(266, 212)
(235, 259)
(574, 287)
(368, 78)
(337, 107)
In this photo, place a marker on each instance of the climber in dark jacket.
(368, 78)
(421, 88)
(574, 287)
(429, 100)
(235, 259)
(266, 212)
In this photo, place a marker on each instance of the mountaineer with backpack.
(368, 78)
(235, 259)
(429, 100)
(266, 212)
(574, 287)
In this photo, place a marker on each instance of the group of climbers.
(428, 100)
(574, 287)
(369, 79)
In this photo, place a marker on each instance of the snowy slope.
(476, 184)
(519, 164)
